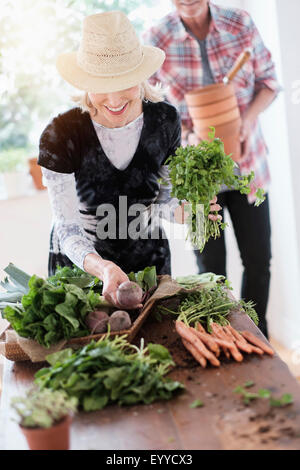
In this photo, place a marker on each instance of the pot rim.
(67, 418)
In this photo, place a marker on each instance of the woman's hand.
(112, 276)
(181, 215)
(109, 273)
(245, 136)
(214, 208)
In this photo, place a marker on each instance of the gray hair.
(153, 93)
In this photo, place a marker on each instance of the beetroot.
(119, 320)
(129, 295)
(97, 321)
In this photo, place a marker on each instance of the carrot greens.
(208, 304)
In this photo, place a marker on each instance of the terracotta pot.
(36, 173)
(202, 112)
(55, 438)
(209, 94)
(232, 145)
(218, 119)
(229, 134)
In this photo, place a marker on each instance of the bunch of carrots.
(207, 347)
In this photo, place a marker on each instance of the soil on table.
(240, 426)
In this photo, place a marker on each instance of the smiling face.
(190, 8)
(118, 108)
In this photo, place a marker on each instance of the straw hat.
(110, 57)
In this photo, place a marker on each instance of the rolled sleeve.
(264, 67)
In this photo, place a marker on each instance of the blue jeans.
(253, 234)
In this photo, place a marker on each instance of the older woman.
(102, 160)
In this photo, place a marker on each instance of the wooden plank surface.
(223, 423)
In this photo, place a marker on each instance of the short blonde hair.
(153, 93)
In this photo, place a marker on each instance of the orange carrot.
(219, 341)
(242, 345)
(220, 333)
(256, 350)
(199, 327)
(186, 334)
(246, 347)
(194, 352)
(228, 334)
(236, 334)
(216, 334)
(257, 342)
(241, 340)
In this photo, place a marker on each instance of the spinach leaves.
(146, 279)
(49, 313)
(110, 371)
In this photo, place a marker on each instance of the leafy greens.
(111, 371)
(49, 313)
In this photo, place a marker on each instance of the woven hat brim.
(67, 66)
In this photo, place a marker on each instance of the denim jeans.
(253, 234)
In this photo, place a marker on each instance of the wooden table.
(223, 423)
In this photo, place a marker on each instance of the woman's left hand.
(214, 207)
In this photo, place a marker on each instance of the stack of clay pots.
(216, 106)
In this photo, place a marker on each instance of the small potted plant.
(45, 417)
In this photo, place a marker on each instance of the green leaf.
(66, 309)
(285, 400)
(249, 384)
(59, 356)
(109, 371)
(264, 393)
(159, 352)
(212, 133)
(93, 403)
(146, 279)
(18, 277)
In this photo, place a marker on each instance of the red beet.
(129, 295)
(97, 321)
(119, 320)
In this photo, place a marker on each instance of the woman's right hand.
(109, 273)
(112, 277)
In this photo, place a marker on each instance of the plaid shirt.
(231, 31)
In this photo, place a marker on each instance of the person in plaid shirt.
(202, 41)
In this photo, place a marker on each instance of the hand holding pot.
(245, 135)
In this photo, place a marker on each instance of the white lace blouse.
(119, 144)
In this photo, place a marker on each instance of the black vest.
(99, 182)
